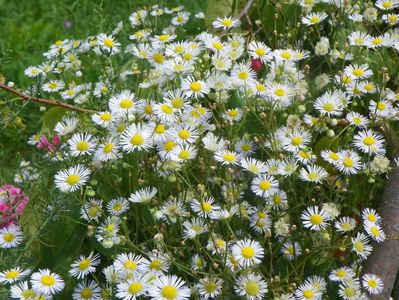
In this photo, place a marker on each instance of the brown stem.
(44, 101)
(384, 261)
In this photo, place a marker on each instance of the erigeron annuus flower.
(133, 288)
(251, 286)
(129, 263)
(358, 38)
(341, 274)
(108, 44)
(357, 119)
(157, 263)
(345, 224)
(369, 142)
(205, 207)
(69, 180)
(391, 19)
(329, 104)
(315, 218)
(350, 289)
(374, 231)
(209, 287)
(122, 103)
(108, 150)
(183, 152)
(233, 114)
(242, 75)
(314, 18)
(247, 252)
(46, 282)
(358, 72)
(264, 185)
(117, 206)
(22, 290)
(66, 126)
(361, 246)
(260, 51)
(81, 144)
(349, 162)
(382, 109)
(143, 195)
(370, 215)
(227, 157)
(137, 137)
(194, 88)
(169, 287)
(194, 227)
(387, 4)
(13, 275)
(86, 290)
(33, 71)
(253, 165)
(279, 95)
(103, 119)
(295, 140)
(53, 86)
(84, 265)
(291, 250)
(307, 291)
(10, 236)
(226, 23)
(372, 283)
(185, 133)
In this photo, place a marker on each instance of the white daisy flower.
(117, 206)
(227, 157)
(358, 72)
(53, 86)
(350, 289)
(14, 274)
(307, 291)
(226, 23)
(169, 287)
(128, 263)
(349, 162)
(108, 150)
(315, 218)
(259, 50)
(314, 18)
(33, 71)
(369, 142)
(370, 215)
(84, 266)
(46, 282)
(342, 274)
(183, 153)
(69, 180)
(374, 231)
(210, 288)
(242, 75)
(313, 173)
(137, 137)
(204, 208)
(264, 185)
(194, 88)
(22, 291)
(108, 44)
(103, 119)
(123, 104)
(361, 246)
(357, 119)
(86, 290)
(82, 144)
(251, 286)
(372, 283)
(10, 236)
(134, 288)
(345, 224)
(329, 104)
(247, 252)
(143, 195)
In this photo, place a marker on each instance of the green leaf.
(52, 117)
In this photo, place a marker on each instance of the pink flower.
(256, 65)
(12, 204)
(45, 143)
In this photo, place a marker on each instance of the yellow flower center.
(348, 162)
(264, 185)
(137, 140)
(84, 264)
(233, 113)
(12, 274)
(296, 141)
(108, 148)
(374, 231)
(252, 288)
(73, 179)
(82, 146)
(248, 252)
(9, 237)
(230, 157)
(381, 106)
(156, 265)
(28, 294)
(177, 103)
(52, 85)
(316, 219)
(350, 292)
(164, 37)
(217, 46)
(160, 128)
(329, 107)
(314, 19)
(372, 283)
(308, 294)
(106, 117)
(206, 207)
(86, 293)
(184, 134)
(359, 246)
(279, 92)
(285, 55)
(135, 288)
(126, 103)
(260, 52)
(108, 43)
(387, 4)
(93, 211)
(369, 141)
(169, 145)
(47, 280)
(227, 22)
(195, 86)
(148, 109)
(340, 274)
(243, 75)
(130, 265)
(371, 218)
(158, 57)
(184, 154)
(357, 120)
(358, 72)
(117, 207)
(169, 292)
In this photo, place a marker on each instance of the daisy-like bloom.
(382, 108)
(91, 210)
(245, 147)
(226, 23)
(108, 150)
(194, 88)
(307, 291)
(350, 289)
(186, 133)
(183, 153)
(22, 291)
(86, 290)
(358, 38)
(227, 157)
(210, 288)
(181, 18)
(128, 263)
(317, 282)
(83, 266)
(259, 50)
(46, 282)
(374, 231)
(341, 274)
(157, 263)
(169, 288)
(133, 288)
(66, 126)
(330, 156)
(360, 245)
(205, 207)
(137, 137)
(279, 95)
(33, 71)
(143, 195)
(291, 250)
(295, 140)
(14, 274)
(315, 218)
(242, 75)
(118, 206)
(329, 104)
(345, 224)
(387, 4)
(123, 103)
(261, 221)
(69, 180)
(108, 44)
(264, 185)
(391, 19)
(193, 228)
(247, 252)
(234, 114)
(166, 112)
(253, 165)
(159, 40)
(213, 143)
(10, 236)
(369, 142)
(53, 86)
(220, 63)
(358, 72)
(278, 200)
(349, 162)
(370, 215)
(81, 144)
(357, 119)
(103, 119)
(251, 286)
(314, 18)
(313, 173)
(372, 283)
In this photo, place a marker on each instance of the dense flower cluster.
(222, 162)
